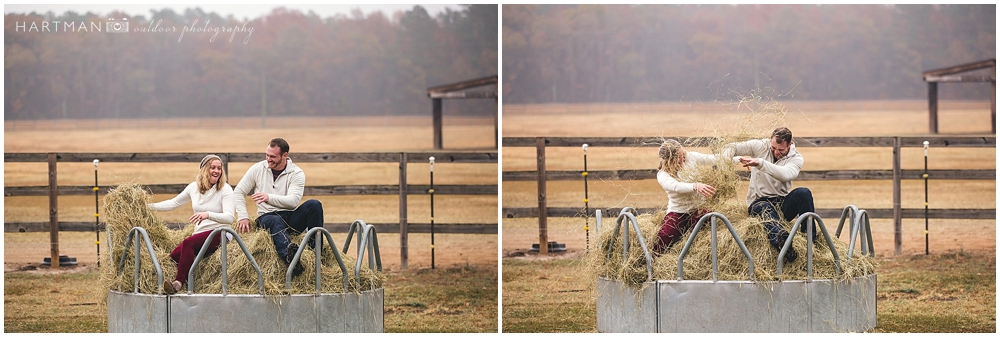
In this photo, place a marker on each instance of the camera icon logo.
(113, 26)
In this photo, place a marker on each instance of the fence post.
(438, 142)
(897, 211)
(403, 256)
(932, 101)
(543, 235)
(53, 212)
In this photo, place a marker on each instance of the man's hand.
(243, 226)
(748, 162)
(260, 198)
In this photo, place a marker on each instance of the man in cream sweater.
(773, 164)
(276, 185)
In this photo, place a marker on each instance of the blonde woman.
(211, 199)
(683, 209)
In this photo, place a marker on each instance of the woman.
(212, 200)
(683, 208)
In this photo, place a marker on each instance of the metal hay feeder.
(189, 312)
(811, 305)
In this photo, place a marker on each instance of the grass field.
(951, 290)
(455, 299)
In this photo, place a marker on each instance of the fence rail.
(402, 189)
(896, 174)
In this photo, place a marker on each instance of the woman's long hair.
(670, 156)
(204, 175)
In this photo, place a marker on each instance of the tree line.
(286, 63)
(634, 53)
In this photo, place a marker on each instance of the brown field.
(805, 119)
(346, 134)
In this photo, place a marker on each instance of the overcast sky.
(240, 11)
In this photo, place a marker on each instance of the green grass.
(443, 300)
(952, 292)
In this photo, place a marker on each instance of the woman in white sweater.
(683, 208)
(211, 199)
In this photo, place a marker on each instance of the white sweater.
(218, 204)
(683, 197)
(770, 178)
(283, 193)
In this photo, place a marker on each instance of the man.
(276, 185)
(773, 164)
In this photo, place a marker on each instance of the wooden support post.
(897, 211)
(53, 212)
(993, 100)
(496, 123)
(438, 143)
(932, 101)
(403, 255)
(543, 232)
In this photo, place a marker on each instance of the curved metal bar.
(351, 231)
(642, 243)
(614, 237)
(868, 233)
(370, 241)
(809, 247)
(715, 252)
(597, 215)
(861, 227)
(225, 265)
(317, 262)
(850, 212)
(149, 249)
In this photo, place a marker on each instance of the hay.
(732, 263)
(630, 267)
(125, 207)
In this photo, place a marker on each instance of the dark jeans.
(303, 218)
(797, 202)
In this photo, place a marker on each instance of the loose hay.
(630, 267)
(125, 208)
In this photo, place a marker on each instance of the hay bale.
(125, 207)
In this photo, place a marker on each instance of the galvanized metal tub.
(256, 313)
(346, 312)
(738, 306)
(811, 305)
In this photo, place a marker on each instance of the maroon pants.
(673, 225)
(185, 253)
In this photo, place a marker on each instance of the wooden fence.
(896, 174)
(402, 189)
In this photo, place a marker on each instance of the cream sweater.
(283, 193)
(770, 178)
(683, 197)
(218, 204)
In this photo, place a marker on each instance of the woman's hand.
(198, 217)
(706, 190)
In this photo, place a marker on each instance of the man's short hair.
(281, 144)
(783, 135)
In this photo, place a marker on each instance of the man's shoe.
(790, 255)
(289, 255)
